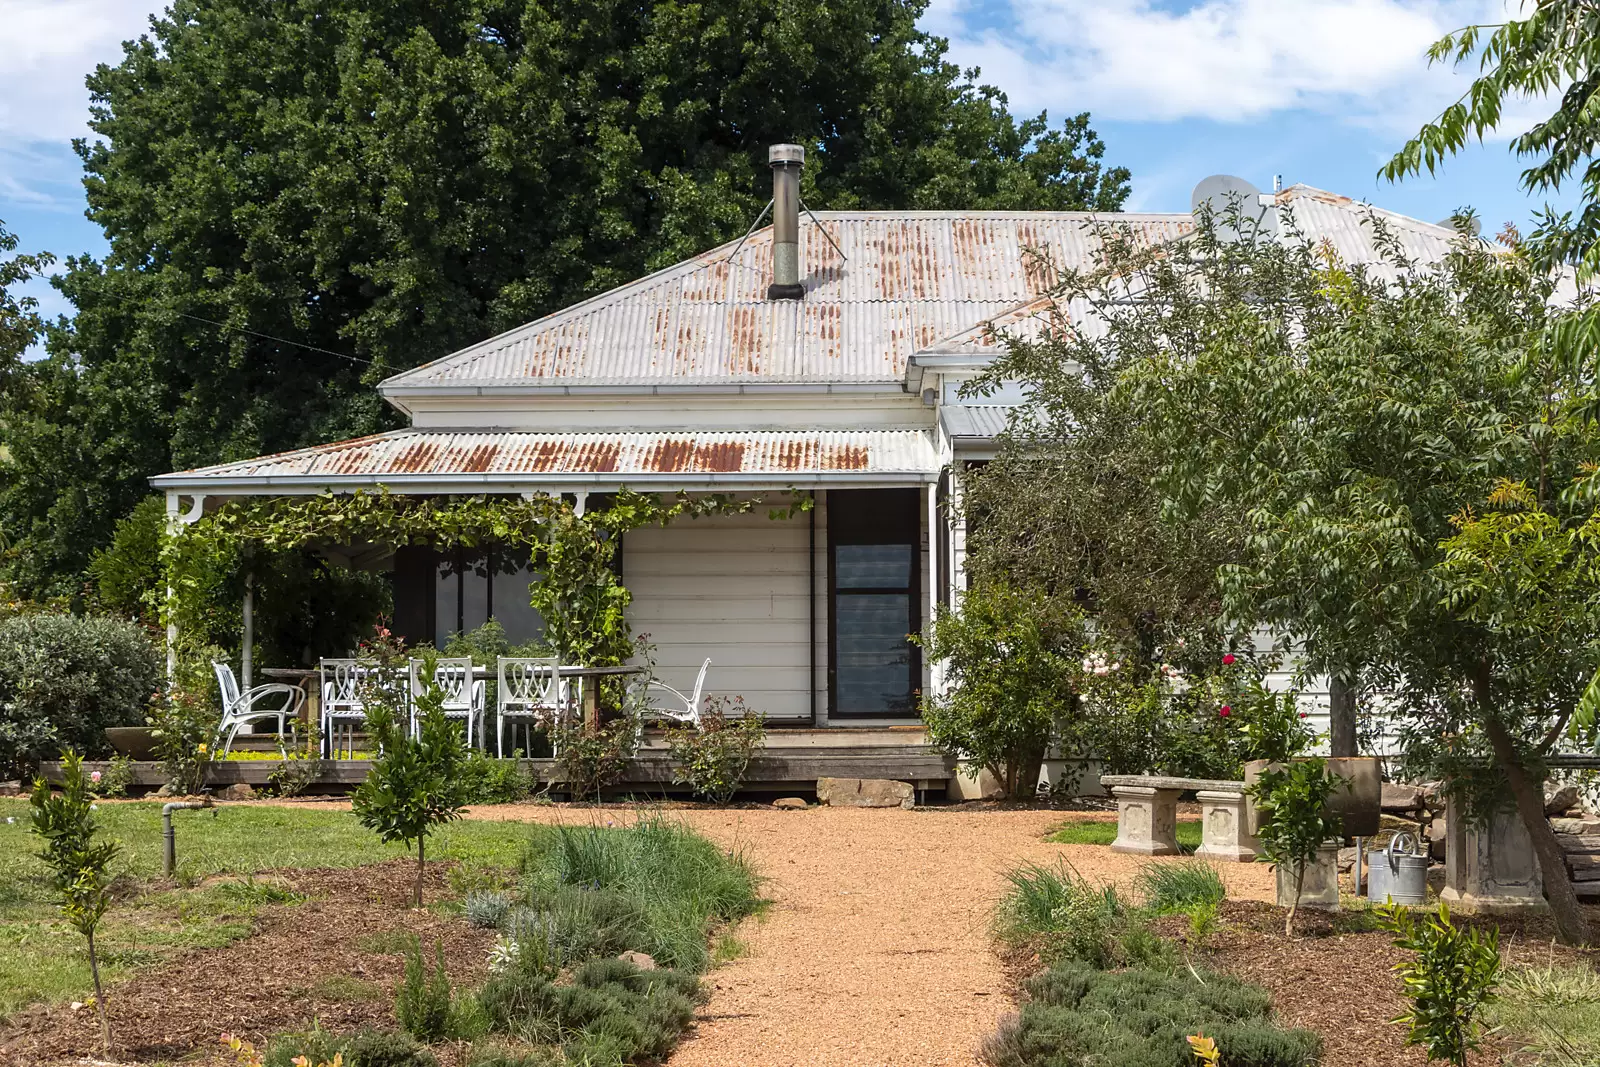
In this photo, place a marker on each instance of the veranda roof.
(444, 461)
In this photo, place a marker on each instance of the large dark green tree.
(387, 181)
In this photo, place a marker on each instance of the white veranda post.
(177, 519)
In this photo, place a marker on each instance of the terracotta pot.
(135, 742)
(1358, 807)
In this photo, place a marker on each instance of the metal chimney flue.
(786, 161)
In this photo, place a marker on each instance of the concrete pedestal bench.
(1147, 816)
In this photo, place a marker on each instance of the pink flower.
(94, 776)
(1227, 660)
(1225, 711)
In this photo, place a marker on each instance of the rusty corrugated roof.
(908, 281)
(508, 458)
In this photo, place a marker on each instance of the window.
(439, 593)
(873, 567)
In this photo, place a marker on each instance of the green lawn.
(1103, 832)
(41, 957)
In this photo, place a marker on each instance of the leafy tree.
(412, 786)
(1007, 655)
(1359, 419)
(1554, 52)
(377, 184)
(79, 864)
(20, 323)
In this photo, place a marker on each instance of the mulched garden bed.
(1342, 984)
(276, 980)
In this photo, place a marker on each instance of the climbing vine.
(578, 592)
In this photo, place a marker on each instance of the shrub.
(115, 780)
(127, 573)
(185, 725)
(64, 679)
(591, 760)
(1451, 975)
(364, 1048)
(485, 780)
(1142, 1018)
(711, 758)
(1173, 887)
(609, 1008)
(486, 909)
(1008, 658)
(424, 1003)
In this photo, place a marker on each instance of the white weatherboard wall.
(731, 587)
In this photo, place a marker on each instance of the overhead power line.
(280, 340)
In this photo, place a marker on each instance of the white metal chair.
(531, 691)
(463, 695)
(343, 699)
(675, 705)
(239, 709)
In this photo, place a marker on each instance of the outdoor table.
(309, 679)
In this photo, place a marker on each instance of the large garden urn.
(1357, 806)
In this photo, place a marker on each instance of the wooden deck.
(792, 763)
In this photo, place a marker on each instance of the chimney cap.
(784, 155)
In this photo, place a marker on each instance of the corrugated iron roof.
(982, 422)
(507, 458)
(908, 281)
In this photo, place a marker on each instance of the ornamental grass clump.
(1169, 888)
(1054, 911)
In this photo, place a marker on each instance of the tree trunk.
(99, 998)
(1294, 905)
(1341, 717)
(1529, 797)
(420, 840)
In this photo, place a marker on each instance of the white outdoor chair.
(675, 705)
(239, 709)
(344, 699)
(463, 695)
(530, 691)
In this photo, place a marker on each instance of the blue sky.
(1318, 91)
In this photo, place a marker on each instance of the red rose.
(1224, 711)
(1227, 660)
(1302, 714)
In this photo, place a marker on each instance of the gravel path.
(875, 951)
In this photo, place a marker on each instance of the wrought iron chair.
(463, 695)
(675, 705)
(239, 708)
(531, 691)
(344, 699)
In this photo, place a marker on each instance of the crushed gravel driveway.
(875, 951)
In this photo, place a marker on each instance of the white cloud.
(1225, 60)
(50, 46)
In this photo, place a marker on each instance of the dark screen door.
(873, 572)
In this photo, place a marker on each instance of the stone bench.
(1147, 816)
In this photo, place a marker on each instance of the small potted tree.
(1297, 831)
(79, 863)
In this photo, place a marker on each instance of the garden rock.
(639, 959)
(1347, 860)
(1400, 798)
(865, 793)
(237, 791)
(10, 789)
(790, 804)
(1586, 824)
(1561, 801)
